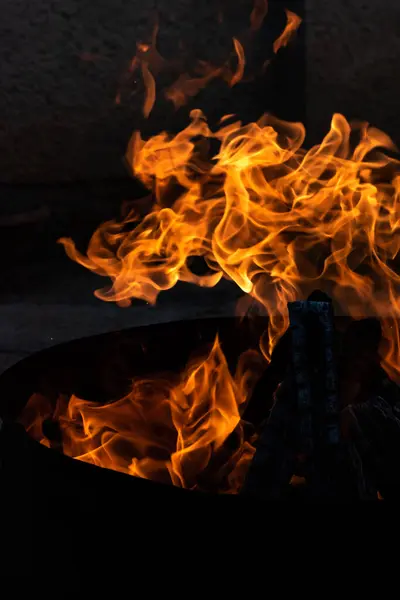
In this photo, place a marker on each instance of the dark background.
(63, 62)
(62, 138)
(63, 171)
(353, 57)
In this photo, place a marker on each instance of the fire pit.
(294, 404)
(191, 419)
(133, 363)
(100, 369)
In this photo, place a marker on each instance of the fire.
(274, 218)
(186, 86)
(292, 24)
(170, 430)
(150, 90)
(265, 213)
(262, 211)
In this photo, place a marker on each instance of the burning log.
(301, 431)
(360, 370)
(373, 434)
(351, 454)
(262, 399)
(370, 412)
(292, 461)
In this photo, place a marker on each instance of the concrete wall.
(61, 62)
(61, 65)
(353, 62)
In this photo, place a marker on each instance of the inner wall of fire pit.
(101, 368)
(105, 369)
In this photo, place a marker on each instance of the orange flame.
(273, 218)
(165, 430)
(151, 63)
(150, 86)
(186, 87)
(238, 76)
(292, 24)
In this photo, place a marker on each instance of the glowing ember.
(263, 212)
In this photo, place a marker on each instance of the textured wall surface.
(353, 62)
(62, 60)
(61, 64)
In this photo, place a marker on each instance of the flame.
(150, 85)
(262, 211)
(149, 61)
(292, 24)
(170, 430)
(186, 86)
(238, 76)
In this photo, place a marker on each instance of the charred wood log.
(273, 463)
(370, 412)
(262, 399)
(360, 371)
(372, 432)
(301, 435)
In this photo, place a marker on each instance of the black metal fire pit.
(101, 368)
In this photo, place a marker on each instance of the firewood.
(373, 435)
(301, 435)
